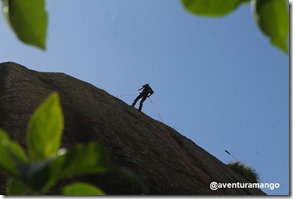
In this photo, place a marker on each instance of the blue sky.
(217, 81)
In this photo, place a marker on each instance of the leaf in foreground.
(82, 159)
(16, 187)
(273, 19)
(82, 189)
(28, 19)
(45, 129)
(12, 157)
(211, 8)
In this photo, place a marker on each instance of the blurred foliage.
(271, 16)
(82, 189)
(244, 171)
(37, 171)
(212, 8)
(29, 19)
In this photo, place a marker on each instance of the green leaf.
(16, 187)
(211, 8)
(13, 158)
(28, 19)
(17, 152)
(45, 129)
(82, 189)
(131, 177)
(3, 135)
(40, 176)
(82, 159)
(7, 162)
(273, 19)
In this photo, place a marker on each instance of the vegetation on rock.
(244, 171)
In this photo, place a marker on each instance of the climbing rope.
(154, 106)
(127, 95)
(230, 155)
(156, 109)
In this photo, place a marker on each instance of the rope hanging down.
(154, 106)
(230, 155)
(156, 109)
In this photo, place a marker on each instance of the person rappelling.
(147, 91)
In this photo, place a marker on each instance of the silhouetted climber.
(146, 92)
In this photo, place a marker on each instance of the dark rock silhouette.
(167, 162)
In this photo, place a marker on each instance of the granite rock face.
(166, 162)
